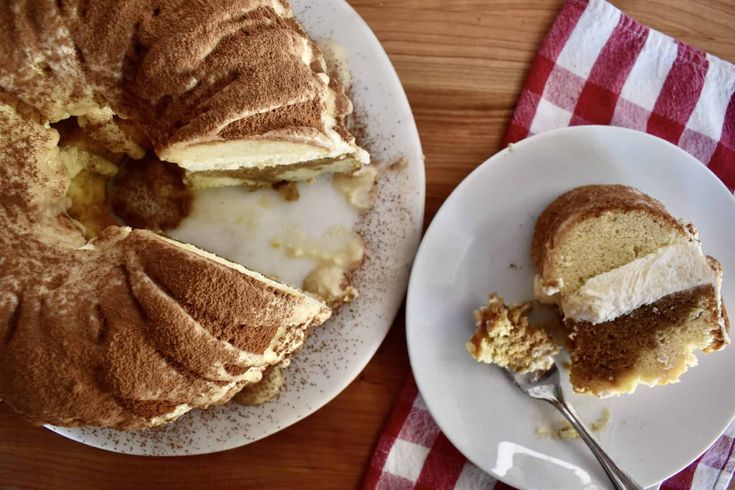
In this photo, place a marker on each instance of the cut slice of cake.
(272, 115)
(504, 337)
(637, 293)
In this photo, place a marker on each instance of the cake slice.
(505, 338)
(636, 291)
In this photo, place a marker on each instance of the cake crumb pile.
(504, 337)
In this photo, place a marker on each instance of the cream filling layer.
(640, 282)
(250, 153)
(276, 148)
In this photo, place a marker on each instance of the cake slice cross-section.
(636, 291)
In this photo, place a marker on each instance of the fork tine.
(511, 375)
(527, 381)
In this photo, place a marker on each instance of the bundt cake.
(131, 329)
(635, 289)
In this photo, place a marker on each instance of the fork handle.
(618, 477)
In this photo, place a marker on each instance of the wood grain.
(462, 63)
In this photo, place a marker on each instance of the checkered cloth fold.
(595, 66)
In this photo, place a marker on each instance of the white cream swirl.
(640, 282)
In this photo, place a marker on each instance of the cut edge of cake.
(653, 345)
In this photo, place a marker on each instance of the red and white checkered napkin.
(596, 66)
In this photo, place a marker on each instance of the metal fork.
(544, 385)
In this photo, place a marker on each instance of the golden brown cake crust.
(589, 201)
(720, 337)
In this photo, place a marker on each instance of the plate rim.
(466, 182)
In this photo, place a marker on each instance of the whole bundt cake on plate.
(130, 329)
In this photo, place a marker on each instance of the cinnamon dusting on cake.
(172, 72)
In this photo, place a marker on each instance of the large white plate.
(485, 226)
(240, 225)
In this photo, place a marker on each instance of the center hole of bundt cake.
(110, 187)
(149, 193)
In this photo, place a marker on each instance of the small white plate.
(241, 226)
(480, 242)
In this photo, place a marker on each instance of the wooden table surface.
(462, 63)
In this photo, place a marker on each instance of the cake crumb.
(289, 191)
(564, 430)
(398, 164)
(331, 284)
(358, 188)
(264, 390)
(505, 338)
(602, 420)
(337, 253)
